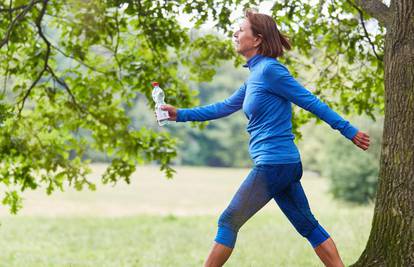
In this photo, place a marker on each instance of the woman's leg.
(252, 195)
(294, 204)
(218, 255)
(328, 253)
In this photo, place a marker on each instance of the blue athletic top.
(266, 98)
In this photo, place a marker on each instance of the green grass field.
(158, 222)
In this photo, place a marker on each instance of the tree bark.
(391, 241)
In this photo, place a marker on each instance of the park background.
(154, 221)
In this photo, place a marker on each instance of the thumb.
(167, 107)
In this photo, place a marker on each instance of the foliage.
(73, 67)
(346, 48)
(112, 50)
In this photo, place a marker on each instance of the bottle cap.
(155, 84)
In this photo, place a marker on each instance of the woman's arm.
(213, 111)
(281, 82)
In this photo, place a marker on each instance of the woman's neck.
(249, 54)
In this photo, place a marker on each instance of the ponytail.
(285, 41)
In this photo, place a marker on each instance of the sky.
(264, 7)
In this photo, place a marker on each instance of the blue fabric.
(266, 98)
(280, 182)
(317, 236)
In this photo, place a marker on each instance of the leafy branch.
(18, 18)
(361, 15)
(13, 9)
(46, 58)
(376, 9)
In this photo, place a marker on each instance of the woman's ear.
(258, 40)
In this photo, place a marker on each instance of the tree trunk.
(391, 241)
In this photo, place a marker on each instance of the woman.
(266, 98)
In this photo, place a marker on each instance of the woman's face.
(246, 44)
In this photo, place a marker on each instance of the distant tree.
(224, 142)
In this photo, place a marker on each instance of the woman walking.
(266, 98)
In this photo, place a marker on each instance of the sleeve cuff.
(181, 115)
(350, 132)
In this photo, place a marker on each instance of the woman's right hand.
(361, 140)
(172, 112)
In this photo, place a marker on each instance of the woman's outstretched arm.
(281, 82)
(209, 112)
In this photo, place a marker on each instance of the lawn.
(158, 222)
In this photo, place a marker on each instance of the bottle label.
(162, 114)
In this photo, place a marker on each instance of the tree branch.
(46, 64)
(12, 9)
(377, 10)
(117, 45)
(361, 15)
(63, 83)
(148, 41)
(46, 59)
(64, 53)
(78, 60)
(16, 19)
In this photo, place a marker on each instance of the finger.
(365, 144)
(364, 147)
(360, 145)
(355, 141)
(366, 139)
(166, 108)
(366, 136)
(358, 139)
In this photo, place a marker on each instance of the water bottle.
(158, 97)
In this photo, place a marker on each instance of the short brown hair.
(273, 42)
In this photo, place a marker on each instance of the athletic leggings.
(280, 182)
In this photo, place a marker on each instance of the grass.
(158, 222)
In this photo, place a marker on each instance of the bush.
(353, 172)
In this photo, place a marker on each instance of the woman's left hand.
(361, 140)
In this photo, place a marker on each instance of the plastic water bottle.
(158, 97)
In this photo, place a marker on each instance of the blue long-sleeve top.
(266, 98)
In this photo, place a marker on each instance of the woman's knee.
(228, 227)
(231, 219)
